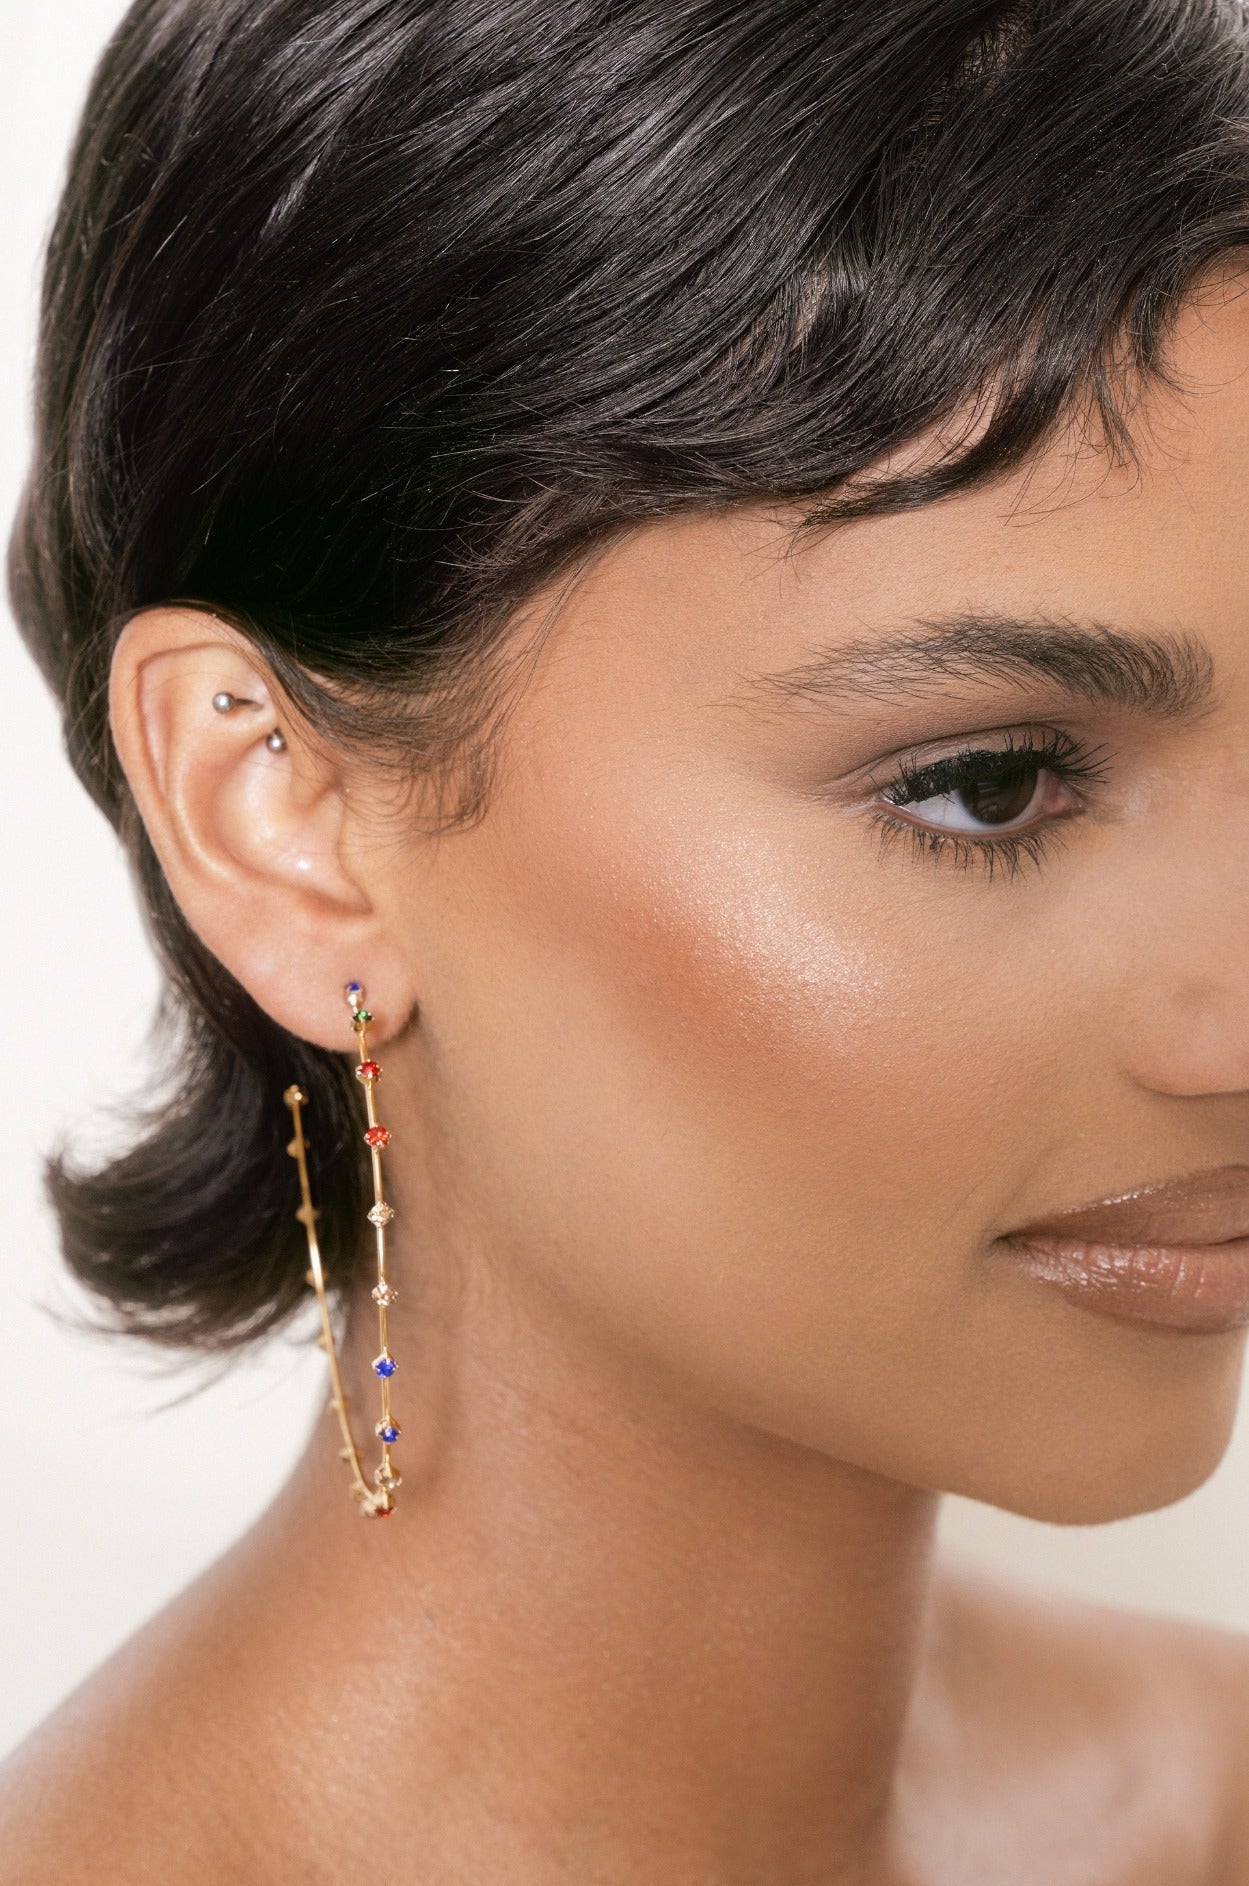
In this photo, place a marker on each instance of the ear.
(255, 825)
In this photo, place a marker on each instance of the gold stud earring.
(376, 1501)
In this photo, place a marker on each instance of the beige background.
(117, 1487)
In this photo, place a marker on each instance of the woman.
(688, 556)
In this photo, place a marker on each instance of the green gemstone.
(361, 1019)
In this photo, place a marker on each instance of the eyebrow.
(1168, 676)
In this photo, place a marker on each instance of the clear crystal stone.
(381, 1215)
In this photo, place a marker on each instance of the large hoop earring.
(376, 1501)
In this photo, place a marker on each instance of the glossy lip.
(1173, 1254)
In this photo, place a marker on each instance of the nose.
(1187, 968)
(1197, 1042)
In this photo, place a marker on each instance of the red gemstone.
(377, 1136)
(368, 1071)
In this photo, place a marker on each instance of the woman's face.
(747, 1070)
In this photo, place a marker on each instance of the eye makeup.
(997, 804)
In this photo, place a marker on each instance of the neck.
(604, 1635)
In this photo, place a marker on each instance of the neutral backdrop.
(118, 1484)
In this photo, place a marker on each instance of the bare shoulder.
(59, 1796)
(1156, 1707)
(94, 1793)
(131, 1780)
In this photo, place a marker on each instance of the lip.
(1173, 1254)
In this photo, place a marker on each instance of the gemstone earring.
(376, 1501)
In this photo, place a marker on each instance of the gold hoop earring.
(376, 1501)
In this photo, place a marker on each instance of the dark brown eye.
(980, 793)
(1001, 797)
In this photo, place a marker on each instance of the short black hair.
(363, 318)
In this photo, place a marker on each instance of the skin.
(707, 1113)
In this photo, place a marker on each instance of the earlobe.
(246, 814)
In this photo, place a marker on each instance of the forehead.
(1072, 533)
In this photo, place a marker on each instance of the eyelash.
(1055, 752)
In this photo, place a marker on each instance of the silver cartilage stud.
(275, 742)
(224, 702)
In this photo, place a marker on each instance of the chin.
(1130, 1460)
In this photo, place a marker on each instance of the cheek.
(743, 1100)
(750, 1103)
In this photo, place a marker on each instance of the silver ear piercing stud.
(226, 703)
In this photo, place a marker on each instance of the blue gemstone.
(354, 990)
(389, 1434)
(385, 1365)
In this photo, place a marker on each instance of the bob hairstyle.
(363, 318)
